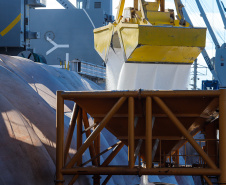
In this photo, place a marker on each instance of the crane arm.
(221, 12)
(209, 64)
(204, 53)
(208, 24)
(223, 6)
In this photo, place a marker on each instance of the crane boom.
(204, 53)
(208, 24)
(222, 13)
(223, 6)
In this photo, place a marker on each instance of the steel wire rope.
(216, 32)
(197, 19)
(215, 23)
(192, 8)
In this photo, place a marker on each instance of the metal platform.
(153, 124)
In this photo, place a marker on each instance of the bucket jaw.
(144, 34)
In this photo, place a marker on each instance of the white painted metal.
(66, 4)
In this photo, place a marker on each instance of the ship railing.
(88, 69)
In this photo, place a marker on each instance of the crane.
(221, 12)
(204, 52)
(219, 68)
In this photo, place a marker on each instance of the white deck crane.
(221, 12)
(204, 52)
(219, 68)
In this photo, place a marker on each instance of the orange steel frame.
(75, 167)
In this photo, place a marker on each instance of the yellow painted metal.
(167, 54)
(162, 5)
(149, 35)
(129, 37)
(152, 6)
(141, 9)
(11, 25)
(161, 44)
(102, 40)
(158, 18)
(120, 10)
(178, 7)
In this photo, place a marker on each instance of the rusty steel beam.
(154, 115)
(99, 94)
(101, 153)
(148, 141)
(162, 5)
(168, 94)
(96, 178)
(222, 136)
(88, 133)
(172, 138)
(73, 180)
(208, 181)
(97, 131)
(108, 94)
(113, 154)
(131, 132)
(107, 179)
(59, 139)
(141, 171)
(70, 131)
(110, 158)
(87, 129)
(136, 5)
(177, 156)
(79, 134)
(186, 134)
(97, 147)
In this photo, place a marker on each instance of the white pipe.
(67, 61)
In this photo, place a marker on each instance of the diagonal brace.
(184, 131)
(101, 153)
(70, 131)
(113, 154)
(208, 181)
(97, 131)
(110, 158)
(88, 133)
